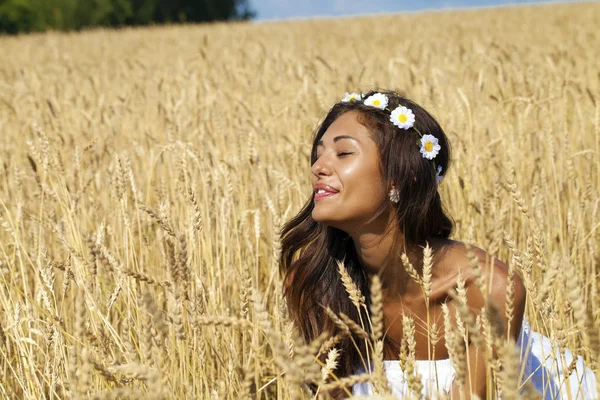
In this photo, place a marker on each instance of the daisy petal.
(352, 97)
(377, 100)
(429, 147)
(402, 117)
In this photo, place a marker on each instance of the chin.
(322, 217)
(319, 216)
(326, 218)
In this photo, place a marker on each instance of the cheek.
(363, 188)
(362, 194)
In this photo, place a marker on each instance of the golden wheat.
(145, 174)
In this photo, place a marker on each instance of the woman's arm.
(497, 276)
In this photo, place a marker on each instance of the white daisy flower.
(352, 97)
(378, 100)
(402, 117)
(429, 147)
(438, 176)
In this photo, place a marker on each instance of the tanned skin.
(348, 161)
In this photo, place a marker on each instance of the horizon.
(278, 10)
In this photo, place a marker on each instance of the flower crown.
(403, 118)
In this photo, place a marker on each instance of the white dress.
(543, 364)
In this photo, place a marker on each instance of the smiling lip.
(321, 196)
(324, 191)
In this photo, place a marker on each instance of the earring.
(394, 195)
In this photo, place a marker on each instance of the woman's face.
(346, 178)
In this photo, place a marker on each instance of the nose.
(321, 167)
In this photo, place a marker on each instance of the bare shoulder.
(470, 262)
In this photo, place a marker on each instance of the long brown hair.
(310, 250)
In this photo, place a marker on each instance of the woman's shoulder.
(471, 262)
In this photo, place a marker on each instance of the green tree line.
(39, 15)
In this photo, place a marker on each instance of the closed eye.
(341, 154)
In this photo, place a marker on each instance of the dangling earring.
(394, 195)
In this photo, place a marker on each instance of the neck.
(379, 248)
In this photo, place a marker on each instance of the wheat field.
(145, 174)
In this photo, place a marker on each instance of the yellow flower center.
(402, 118)
(352, 98)
(428, 146)
(376, 102)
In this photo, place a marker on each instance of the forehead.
(347, 124)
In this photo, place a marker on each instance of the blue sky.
(275, 9)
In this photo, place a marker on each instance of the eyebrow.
(338, 138)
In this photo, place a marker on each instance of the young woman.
(377, 160)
